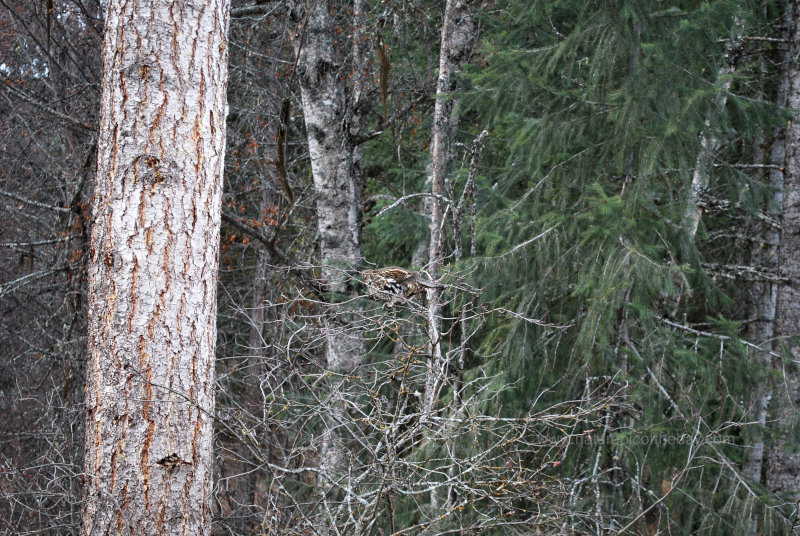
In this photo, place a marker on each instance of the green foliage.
(595, 112)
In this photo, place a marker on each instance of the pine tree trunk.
(783, 471)
(153, 273)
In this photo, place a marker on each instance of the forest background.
(608, 191)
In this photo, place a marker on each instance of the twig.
(258, 9)
(718, 336)
(33, 203)
(522, 245)
(411, 196)
(30, 100)
(14, 285)
(12, 245)
(358, 140)
(468, 193)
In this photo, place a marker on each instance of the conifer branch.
(718, 336)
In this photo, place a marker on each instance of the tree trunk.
(458, 33)
(783, 472)
(333, 120)
(763, 294)
(332, 93)
(153, 273)
(709, 141)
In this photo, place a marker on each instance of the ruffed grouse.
(395, 284)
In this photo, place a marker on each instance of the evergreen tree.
(600, 114)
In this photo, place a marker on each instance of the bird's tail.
(427, 283)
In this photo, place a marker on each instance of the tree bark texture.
(332, 113)
(783, 471)
(458, 33)
(153, 273)
(335, 161)
(762, 295)
(332, 93)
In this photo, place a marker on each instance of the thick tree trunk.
(783, 471)
(332, 93)
(153, 273)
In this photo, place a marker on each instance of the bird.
(394, 284)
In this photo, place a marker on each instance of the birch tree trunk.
(709, 141)
(153, 273)
(458, 33)
(332, 113)
(783, 470)
(332, 93)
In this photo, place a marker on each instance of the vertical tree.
(457, 37)
(153, 273)
(762, 295)
(783, 460)
(331, 88)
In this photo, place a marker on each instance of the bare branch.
(8, 86)
(13, 286)
(33, 203)
(718, 336)
(13, 245)
(257, 9)
(412, 196)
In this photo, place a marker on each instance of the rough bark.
(783, 471)
(153, 272)
(332, 93)
(763, 294)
